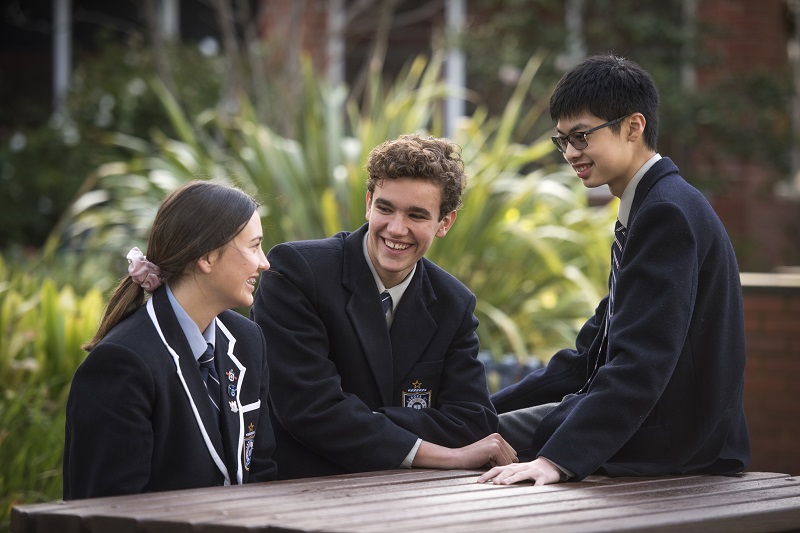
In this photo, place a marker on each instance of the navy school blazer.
(669, 399)
(348, 394)
(139, 418)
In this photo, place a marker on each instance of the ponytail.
(127, 298)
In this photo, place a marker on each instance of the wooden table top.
(436, 500)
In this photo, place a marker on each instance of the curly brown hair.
(436, 160)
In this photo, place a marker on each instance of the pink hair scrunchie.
(142, 271)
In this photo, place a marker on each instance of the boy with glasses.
(654, 384)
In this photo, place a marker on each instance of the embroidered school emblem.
(417, 397)
(247, 449)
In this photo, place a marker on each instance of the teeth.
(396, 246)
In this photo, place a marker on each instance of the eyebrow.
(577, 127)
(413, 209)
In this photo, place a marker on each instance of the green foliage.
(526, 241)
(41, 329)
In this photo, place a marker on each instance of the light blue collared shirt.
(197, 341)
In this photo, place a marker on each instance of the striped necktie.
(620, 232)
(386, 301)
(616, 255)
(210, 377)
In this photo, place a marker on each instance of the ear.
(636, 125)
(206, 263)
(368, 200)
(446, 223)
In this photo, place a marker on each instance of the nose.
(571, 152)
(396, 225)
(263, 263)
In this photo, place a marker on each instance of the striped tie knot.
(386, 301)
(620, 233)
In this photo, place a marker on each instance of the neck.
(195, 303)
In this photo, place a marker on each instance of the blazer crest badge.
(417, 397)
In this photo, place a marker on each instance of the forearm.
(430, 455)
(492, 450)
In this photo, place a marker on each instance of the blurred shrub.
(41, 329)
(527, 242)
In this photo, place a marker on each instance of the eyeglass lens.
(578, 138)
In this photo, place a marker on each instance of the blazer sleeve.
(656, 289)
(109, 436)
(305, 387)
(566, 372)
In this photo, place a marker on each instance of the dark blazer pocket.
(419, 389)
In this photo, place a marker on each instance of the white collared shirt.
(395, 292)
(626, 200)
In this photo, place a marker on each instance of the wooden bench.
(435, 500)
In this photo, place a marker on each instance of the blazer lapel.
(232, 378)
(413, 326)
(188, 371)
(661, 168)
(365, 313)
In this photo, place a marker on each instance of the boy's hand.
(540, 470)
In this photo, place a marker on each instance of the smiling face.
(403, 216)
(235, 268)
(611, 158)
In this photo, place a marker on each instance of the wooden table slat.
(338, 502)
(401, 500)
(511, 504)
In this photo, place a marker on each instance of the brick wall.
(742, 35)
(772, 376)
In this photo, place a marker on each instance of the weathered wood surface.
(434, 500)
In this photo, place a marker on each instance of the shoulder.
(668, 192)
(664, 183)
(239, 324)
(674, 198)
(131, 348)
(311, 252)
(133, 332)
(444, 284)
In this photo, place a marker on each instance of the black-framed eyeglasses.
(578, 138)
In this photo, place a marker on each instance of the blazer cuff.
(565, 473)
(410, 457)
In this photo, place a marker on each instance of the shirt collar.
(626, 201)
(398, 290)
(197, 341)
